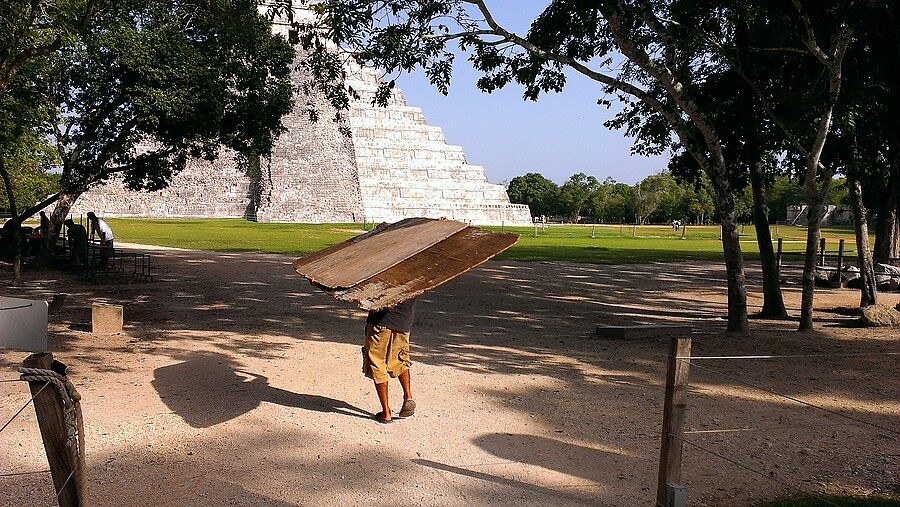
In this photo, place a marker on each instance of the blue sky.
(558, 135)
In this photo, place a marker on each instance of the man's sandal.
(380, 418)
(408, 409)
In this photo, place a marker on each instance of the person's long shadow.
(207, 389)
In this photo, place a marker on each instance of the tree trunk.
(734, 261)
(773, 301)
(14, 228)
(887, 232)
(65, 200)
(868, 283)
(816, 210)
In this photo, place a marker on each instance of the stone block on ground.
(850, 273)
(880, 316)
(642, 332)
(106, 318)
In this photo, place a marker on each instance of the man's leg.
(382, 391)
(404, 382)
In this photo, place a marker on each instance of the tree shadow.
(496, 479)
(185, 388)
(595, 465)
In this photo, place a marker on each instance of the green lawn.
(610, 244)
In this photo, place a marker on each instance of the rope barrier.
(63, 487)
(792, 356)
(24, 406)
(13, 474)
(779, 427)
(71, 405)
(738, 464)
(791, 398)
(74, 422)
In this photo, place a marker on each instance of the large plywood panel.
(428, 269)
(353, 261)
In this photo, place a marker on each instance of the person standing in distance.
(386, 355)
(104, 232)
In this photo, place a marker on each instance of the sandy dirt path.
(237, 383)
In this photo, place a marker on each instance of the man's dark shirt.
(398, 318)
(77, 234)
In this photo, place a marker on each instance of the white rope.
(13, 418)
(791, 356)
(71, 405)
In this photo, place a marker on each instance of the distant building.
(393, 165)
(834, 215)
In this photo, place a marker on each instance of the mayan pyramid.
(394, 165)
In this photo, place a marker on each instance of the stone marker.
(880, 316)
(106, 318)
(642, 332)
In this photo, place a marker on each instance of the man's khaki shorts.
(385, 353)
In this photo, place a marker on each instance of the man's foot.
(381, 418)
(409, 408)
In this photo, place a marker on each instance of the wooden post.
(683, 231)
(822, 252)
(674, 407)
(65, 468)
(633, 230)
(535, 230)
(840, 262)
(621, 228)
(593, 228)
(778, 254)
(776, 228)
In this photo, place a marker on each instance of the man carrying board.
(384, 271)
(386, 355)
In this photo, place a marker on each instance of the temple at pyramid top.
(393, 165)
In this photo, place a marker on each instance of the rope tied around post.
(71, 402)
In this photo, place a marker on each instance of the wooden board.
(428, 269)
(353, 261)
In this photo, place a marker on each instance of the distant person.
(386, 355)
(45, 225)
(78, 239)
(104, 234)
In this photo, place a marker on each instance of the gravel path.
(237, 383)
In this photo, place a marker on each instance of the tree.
(535, 191)
(155, 85)
(620, 203)
(575, 193)
(657, 80)
(651, 193)
(882, 37)
(597, 202)
(24, 154)
(32, 30)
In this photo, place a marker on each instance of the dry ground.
(236, 383)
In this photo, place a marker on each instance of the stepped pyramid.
(392, 166)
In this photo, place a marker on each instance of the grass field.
(610, 244)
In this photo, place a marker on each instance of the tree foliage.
(153, 86)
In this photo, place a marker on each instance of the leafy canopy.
(155, 84)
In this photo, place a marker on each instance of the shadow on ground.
(208, 389)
